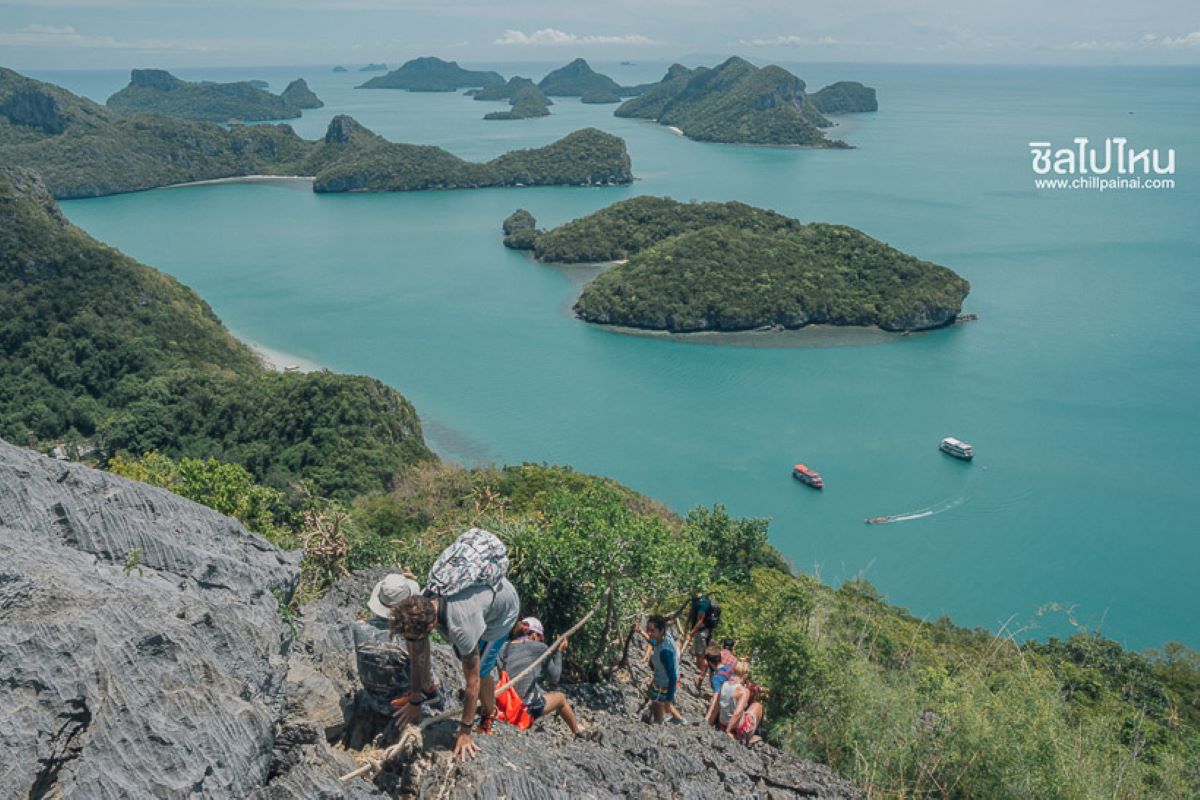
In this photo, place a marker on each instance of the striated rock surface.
(141, 651)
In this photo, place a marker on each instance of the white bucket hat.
(534, 625)
(393, 590)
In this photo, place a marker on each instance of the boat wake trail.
(908, 516)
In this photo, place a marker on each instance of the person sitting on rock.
(664, 660)
(530, 703)
(733, 709)
(469, 599)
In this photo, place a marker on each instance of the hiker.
(524, 703)
(470, 600)
(664, 660)
(734, 709)
(719, 662)
(383, 662)
(702, 619)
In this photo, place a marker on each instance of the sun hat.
(391, 591)
(534, 625)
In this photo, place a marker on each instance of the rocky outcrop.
(298, 94)
(141, 650)
(29, 105)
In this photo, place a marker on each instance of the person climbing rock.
(525, 702)
(664, 661)
(702, 619)
(733, 709)
(382, 660)
(469, 599)
(718, 663)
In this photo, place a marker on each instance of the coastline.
(285, 179)
(278, 360)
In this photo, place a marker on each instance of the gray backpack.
(476, 558)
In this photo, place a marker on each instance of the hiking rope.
(374, 765)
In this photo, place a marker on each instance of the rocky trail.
(143, 654)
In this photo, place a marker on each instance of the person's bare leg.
(557, 702)
(656, 711)
(675, 713)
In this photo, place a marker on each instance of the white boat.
(957, 448)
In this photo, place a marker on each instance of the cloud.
(553, 37)
(790, 41)
(67, 36)
(1191, 40)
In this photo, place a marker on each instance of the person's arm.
(699, 624)
(668, 662)
(464, 746)
(418, 680)
(713, 709)
(743, 694)
(554, 667)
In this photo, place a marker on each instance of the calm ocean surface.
(1079, 385)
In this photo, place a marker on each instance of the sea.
(1078, 385)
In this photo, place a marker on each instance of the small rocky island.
(527, 102)
(298, 94)
(430, 74)
(577, 79)
(157, 91)
(687, 267)
(740, 103)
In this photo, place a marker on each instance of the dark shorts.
(536, 705)
(488, 653)
(661, 694)
(701, 640)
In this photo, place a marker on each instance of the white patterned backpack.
(476, 558)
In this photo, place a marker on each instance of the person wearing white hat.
(390, 592)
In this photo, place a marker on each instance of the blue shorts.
(662, 694)
(489, 652)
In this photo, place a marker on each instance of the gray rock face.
(30, 106)
(162, 680)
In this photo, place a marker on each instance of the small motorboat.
(957, 448)
(876, 520)
(808, 476)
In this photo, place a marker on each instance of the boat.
(876, 520)
(808, 476)
(957, 448)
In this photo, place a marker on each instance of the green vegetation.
(576, 79)
(845, 97)
(111, 356)
(527, 102)
(502, 91)
(429, 74)
(82, 149)
(731, 267)
(520, 230)
(599, 96)
(298, 94)
(354, 159)
(740, 103)
(159, 92)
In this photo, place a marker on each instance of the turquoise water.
(1078, 385)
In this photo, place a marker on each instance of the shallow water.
(1078, 385)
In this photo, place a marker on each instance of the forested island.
(430, 74)
(372, 67)
(576, 79)
(83, 149)
(527, 102)
(159, 92)
(732, 267)
(737, 102)
(298, 94)
(113, 363)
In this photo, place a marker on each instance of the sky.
(88, 34)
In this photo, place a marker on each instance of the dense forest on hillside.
(108, 355)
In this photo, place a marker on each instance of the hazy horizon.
(118, 34)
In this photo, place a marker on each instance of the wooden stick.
(392, 751)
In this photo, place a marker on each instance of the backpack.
(713, 617)
(476, 558)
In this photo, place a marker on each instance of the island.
(527, 103)
(159, 92)
(340, 68)
(687, 267)
(599, 96)
(373, 68)
(298, 94)
(737, 102)
(502, 91)
(575, 79)
(845, 97)
(83, 149)
(430, 74)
